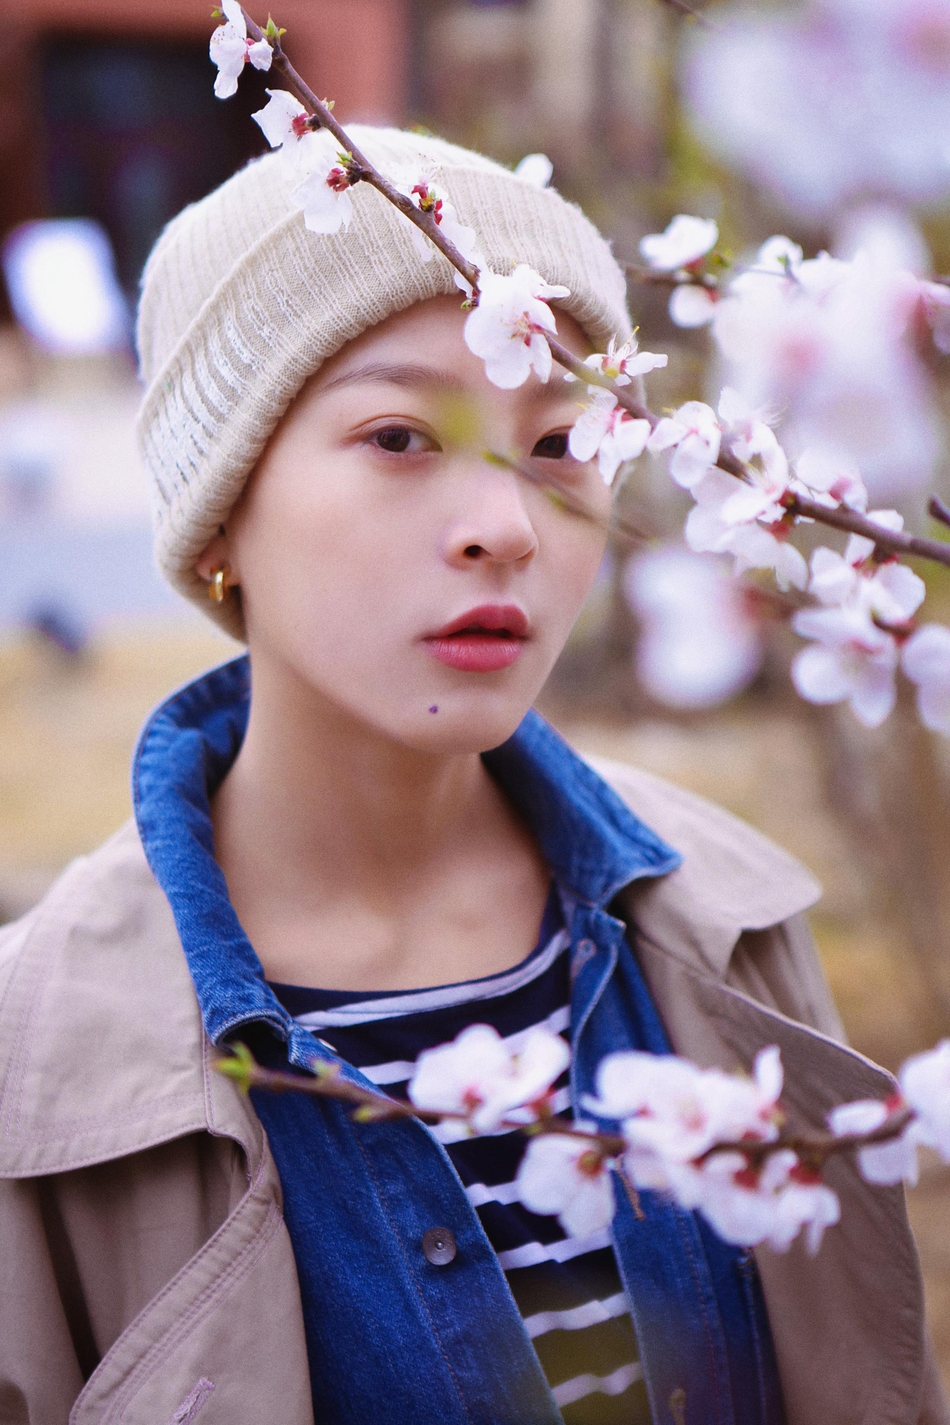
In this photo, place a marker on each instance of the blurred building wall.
(106, 106)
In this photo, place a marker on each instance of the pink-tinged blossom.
(926, 661)
(694, 436)
(935, 299)
(324, 194)
(683, 243)
(755, 547)
(826, 341)
(606, 430)
(567, 1176)
(673, 1112)
(691, 305)
(230, 50)
(700, 641)
(283, 120)
(747, 1206)
(893, 1161)
(535, 169)
(890, 592)
(925, 1084)
(830, 480)
(851, 660)
(507, 328)
(480, 1077)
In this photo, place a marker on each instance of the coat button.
(439, 1247)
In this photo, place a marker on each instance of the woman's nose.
(493, 525)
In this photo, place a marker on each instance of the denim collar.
(593, 843)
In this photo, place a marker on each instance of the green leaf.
(239, 1066)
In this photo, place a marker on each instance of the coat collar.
(590, 838)
(102, 1047)
(731, 878)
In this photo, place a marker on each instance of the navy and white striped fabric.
(567, 1289)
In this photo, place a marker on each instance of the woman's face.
(386, 566)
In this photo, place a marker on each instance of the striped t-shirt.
(567, 1289)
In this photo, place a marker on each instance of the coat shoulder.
(728, 865)
(97, 1012)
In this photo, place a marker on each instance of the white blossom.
(324, 193)
(694, 435)
(673, 1112)
(892, 1161)
(926, 661)
(622, 362)
(925, 1083)
(851, 660)
(283, 119)
(683, 243)
(890, 592)
(430, 197)
(606, 430)
(567, 1176)
(230, 50)
(535, 169)
(747, 1205)
(479, 1076)
(507, 327)
(700, 641)
(691, 305)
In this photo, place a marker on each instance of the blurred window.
(133, 133)
(62, 286)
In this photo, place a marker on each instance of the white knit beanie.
(241, 304)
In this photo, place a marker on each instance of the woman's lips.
(483, 640)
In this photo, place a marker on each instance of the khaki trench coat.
(146, 1274)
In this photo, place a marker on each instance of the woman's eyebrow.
(411, 374)
(408, 374)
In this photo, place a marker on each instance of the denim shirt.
(393, 1338)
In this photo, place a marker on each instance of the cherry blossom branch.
(681, 7)
(615, 524)
(712, 1141)
(325, 1081)
(896, 542)
(815, 1149)
(359, 169)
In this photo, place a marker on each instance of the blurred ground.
(67, 729)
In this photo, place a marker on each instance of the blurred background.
(827, 121)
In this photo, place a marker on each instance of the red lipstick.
(483, 640)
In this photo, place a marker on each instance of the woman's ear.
(216, 555)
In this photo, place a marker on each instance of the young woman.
(358, 842)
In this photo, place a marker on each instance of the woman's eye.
(552, 447)
(401, 440)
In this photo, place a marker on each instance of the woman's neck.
(356, 862)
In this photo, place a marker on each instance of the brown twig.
(896, 542)
(615, 524)
(938, 510)
(683, 9)
(892, 542)
(325, 1081)
(361, 169)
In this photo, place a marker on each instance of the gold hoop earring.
(218, 584)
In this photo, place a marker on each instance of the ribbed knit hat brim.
(241, 304)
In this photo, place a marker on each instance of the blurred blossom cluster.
(829, 103)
